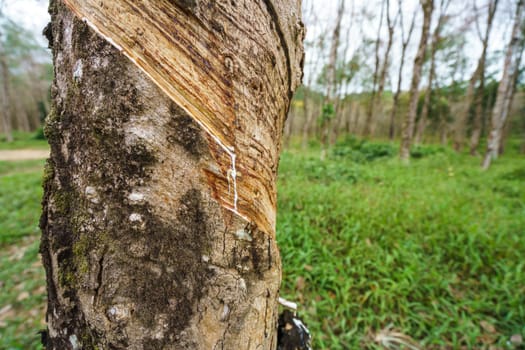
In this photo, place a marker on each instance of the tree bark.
(512, 91)
(505, 88)
(405, 41)
(478, 75)
(436, 37)
(367, 131)
(384, 69)
(158, 228)
(331, 79)
(4, 99)
(409, 121)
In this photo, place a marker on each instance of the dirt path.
(23, 154)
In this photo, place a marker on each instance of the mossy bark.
(139, 251)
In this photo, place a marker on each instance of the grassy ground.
(371, 249)
(434, 251)
(24, 140)
(22, 290)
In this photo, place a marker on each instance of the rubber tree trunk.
(477, 123)
(377, 108)
(5, 105)
(158, 227)
(505, 88)
(410, 119)
(436, 38)
(479, 73)
(331, 81)
(370, 110)
(404, 45)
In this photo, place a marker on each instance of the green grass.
(434, 250)
(24, 140)
(22, 284)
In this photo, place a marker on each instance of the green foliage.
(434, 249)
(22, 282)
(363, 151)
(327, 114)
(39, 134)
(24, 140)
(421, 151)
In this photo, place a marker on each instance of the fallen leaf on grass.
(393, 340)
(300, 283)
(487, 327)
(5, 309)
(516, 339)
(22, 296)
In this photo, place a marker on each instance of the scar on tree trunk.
(158, 224)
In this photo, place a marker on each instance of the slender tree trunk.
(405, 41)
(5, 105)
(307, 117)
(409, 122)
(478, 75)
(421, 124)
(436, 37)
(357, 116)
(340, 106)
(505, 88)
(289, 127)
(158, 228)
(370, 110)
(384, 69)
(478, 115)
(331, 79)
(512, 92)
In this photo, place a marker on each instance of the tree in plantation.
(506, 86)
(331, 82)
(5, 105)
(410, 118)
(434, 46)
(514, 82)
(404, 44)
(367, 131)
(477, 76)
(317, 46)
(158, 228)
(377, 107)
(478, 114)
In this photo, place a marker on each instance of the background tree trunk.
(370, 110)
(471, 95)
(505, 88)
(331, 79)
(409, 121)
(404, 41)
(158, 229)
(436, 38)
(384, 69)
(5, 107)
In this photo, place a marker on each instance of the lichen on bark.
(141, 246)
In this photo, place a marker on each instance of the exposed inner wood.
(232, 67)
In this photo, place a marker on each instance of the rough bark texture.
(159, 209)
(4, 99)
(410, 119)
(505, 88)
